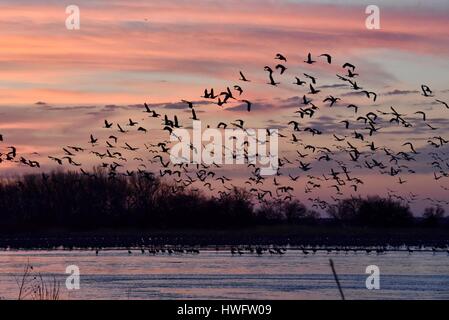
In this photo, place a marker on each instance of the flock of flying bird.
(352, 150)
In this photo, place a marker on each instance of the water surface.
(116, 274)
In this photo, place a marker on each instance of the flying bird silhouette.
(309, 59)
(328, 57)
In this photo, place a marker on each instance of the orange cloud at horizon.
(209, 41)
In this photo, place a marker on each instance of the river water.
(117, 274)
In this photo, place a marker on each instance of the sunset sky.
(57, 86)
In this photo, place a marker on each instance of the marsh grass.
(32, 286)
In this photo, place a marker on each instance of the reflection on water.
(214, 274)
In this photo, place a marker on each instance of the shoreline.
(293, 236)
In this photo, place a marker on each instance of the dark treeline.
(79, 202)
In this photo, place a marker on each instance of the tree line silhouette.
(77, 201)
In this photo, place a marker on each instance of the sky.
(57, 86)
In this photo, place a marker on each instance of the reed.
(34, 287)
